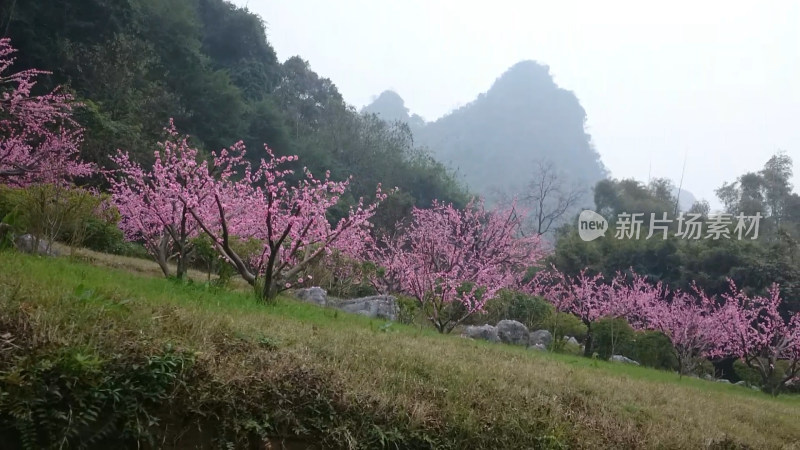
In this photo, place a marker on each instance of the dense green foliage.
(75, 216)
(533, 312)
(754, 264)
(208, 64)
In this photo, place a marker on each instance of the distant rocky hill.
(495, 141)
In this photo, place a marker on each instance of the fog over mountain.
(496, 140)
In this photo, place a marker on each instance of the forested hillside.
(700, 259)
(209, 65)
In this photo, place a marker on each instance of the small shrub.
(225, 273)
(70, 398)
(562, 324)
(407, 309)
(612, 336)
(746, 373)
(705, 367)
(533, 312)
(103, 236)
(76, 216)
(566, 347)
(204, 256)
(654, 349)
(753, 377)
(341, 276)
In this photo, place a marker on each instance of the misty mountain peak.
(389, 106)
(524, 117)
(526, 84)
(527, 71)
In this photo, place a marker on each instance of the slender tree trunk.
(587, 349)
(161, 252)
(270, 291)
(180, 272)
(162, 263)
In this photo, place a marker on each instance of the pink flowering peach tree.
(586, 296)
(592, 297)
(290, 221)
(447, 256)
(39, 139)
(753, 329)
(691, 323)
(149, 201)
(225, 198)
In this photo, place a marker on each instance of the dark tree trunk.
(588, 342)
(723, 368)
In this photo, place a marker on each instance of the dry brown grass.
(468, 393)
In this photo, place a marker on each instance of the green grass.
(308, 375)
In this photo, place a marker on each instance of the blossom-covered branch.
(39, 139)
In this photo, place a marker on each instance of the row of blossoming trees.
(736, 325)
(229, 200)
(442, 256)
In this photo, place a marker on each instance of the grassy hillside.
(117, 356)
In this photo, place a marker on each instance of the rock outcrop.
(485, 332)
(540, 337)
(513, 332)
(376, 306)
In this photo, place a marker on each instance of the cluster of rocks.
(513, 332)
(375, 306)
(510, 332)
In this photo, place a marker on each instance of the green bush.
(753, 377)
(341, 276)
(204, 256)
(653, 349)
(72, 215)
(612, 336)
(9, 199)
(533, 312)
(11, 222)
(103, 236)
(407, 309)
(69, 398)
(562, 324)
(565, 347)
(746, 373)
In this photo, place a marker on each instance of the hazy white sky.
(717, 81)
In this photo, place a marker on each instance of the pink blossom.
(446, 255)
(39, 139)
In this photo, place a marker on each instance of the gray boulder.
(622, 359)
(571, 340)
(723, 380)
(486, 332)
(513, 332)
(539, 347)
(540, 337)
(315, 295)
(741, 383)
(26, 243)
(376, 306)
